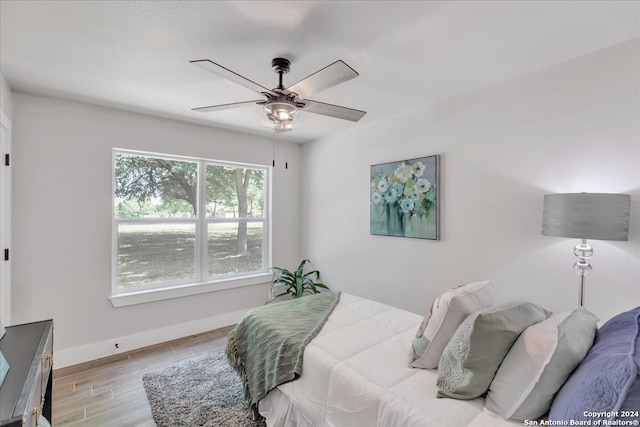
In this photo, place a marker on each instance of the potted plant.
(296, 283)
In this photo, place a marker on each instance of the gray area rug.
(204, 392)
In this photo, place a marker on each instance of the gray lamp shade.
(599, 216)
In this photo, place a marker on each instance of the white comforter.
(355, 374)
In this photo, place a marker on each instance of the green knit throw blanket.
(266, 347)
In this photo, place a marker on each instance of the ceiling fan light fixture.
(280, 116)
(283, 111)
(279, 125)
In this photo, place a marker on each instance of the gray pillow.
(478, 347)
(539, 363)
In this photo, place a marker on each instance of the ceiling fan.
(280, 103)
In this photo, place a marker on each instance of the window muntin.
(164, 236)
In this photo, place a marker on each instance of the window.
(183, 221)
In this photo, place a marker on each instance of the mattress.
(355, 373)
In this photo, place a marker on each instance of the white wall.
(62, 220)
(571, 127)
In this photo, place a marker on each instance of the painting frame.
(404, 198)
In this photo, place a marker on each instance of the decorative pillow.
(539, 362)
(443, 318)
(478, 347)
(608, 379)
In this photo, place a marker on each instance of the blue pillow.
(608, 379)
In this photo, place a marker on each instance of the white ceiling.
(135, 55)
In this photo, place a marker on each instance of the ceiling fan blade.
(333, 110)
(329, 76)
(225, 106)
(230, 75)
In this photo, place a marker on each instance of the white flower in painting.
(376, 197)
(383, 185)
(391, 195)
(415, 195)
(403, 172)
(418, 169)
(422, 185)
(407, 204)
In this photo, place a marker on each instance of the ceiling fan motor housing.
(280, 65)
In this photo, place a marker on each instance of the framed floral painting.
(405, 199)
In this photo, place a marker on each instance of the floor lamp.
(599, 216)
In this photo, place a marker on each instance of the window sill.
(151, 295)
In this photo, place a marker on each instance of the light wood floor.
(109, 392)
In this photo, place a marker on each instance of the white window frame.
(202, 283)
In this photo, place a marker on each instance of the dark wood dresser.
(26, 391)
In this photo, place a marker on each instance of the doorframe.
(5, 219)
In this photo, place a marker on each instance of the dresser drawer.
(46, 364)
(33, 409)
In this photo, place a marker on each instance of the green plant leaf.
(276, 296)
(276, 284)
(299, 286)
(285, 273)
(301, 267)
(316, 272)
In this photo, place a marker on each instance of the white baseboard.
(87, 353)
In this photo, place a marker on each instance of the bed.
(359, 366)
(356, 374)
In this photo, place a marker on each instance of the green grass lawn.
(159, 253)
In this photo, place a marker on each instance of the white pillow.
(445, 315)
(539, 362)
